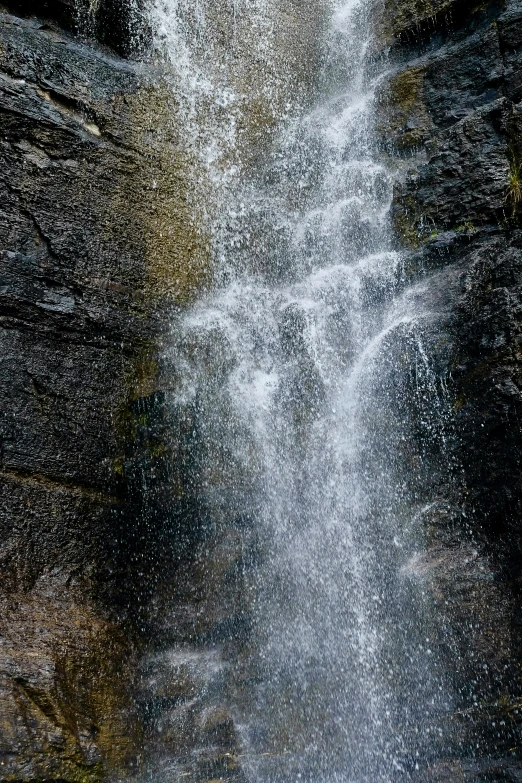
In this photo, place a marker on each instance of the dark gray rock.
(457, 207)
(464, 183)
(82, 287)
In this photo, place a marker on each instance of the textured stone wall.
(450, 118)
(106, 556)
(97, 236)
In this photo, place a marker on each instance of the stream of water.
(313, 383)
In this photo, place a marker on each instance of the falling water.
(316, 400)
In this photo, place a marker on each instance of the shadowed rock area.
(450, 116)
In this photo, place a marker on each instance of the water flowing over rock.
(296, 369)
(259, 303)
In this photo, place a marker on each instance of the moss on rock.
(404, 120)
(159, 195)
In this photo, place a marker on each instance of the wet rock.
(94, 240)
(457, 84)
(404, 118)
(464, 182)
(423, 21)
(413, 14)
(64, 711)
(218, 728)
(119, 24)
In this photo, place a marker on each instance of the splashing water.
(314, 389)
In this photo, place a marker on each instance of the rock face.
(99, 233)
(94, 199)
(450, 117)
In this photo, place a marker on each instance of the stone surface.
(97, 235)
(64, 710)
(102, 541)
(450, 118)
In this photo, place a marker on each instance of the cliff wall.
(98, 236)
(95, 196)
(450, 115)
(107, 558)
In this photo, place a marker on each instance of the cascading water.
(315, 398)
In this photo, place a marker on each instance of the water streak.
(314, 390)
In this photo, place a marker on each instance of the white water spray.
(307, 364)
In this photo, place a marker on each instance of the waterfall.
(317, 407)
